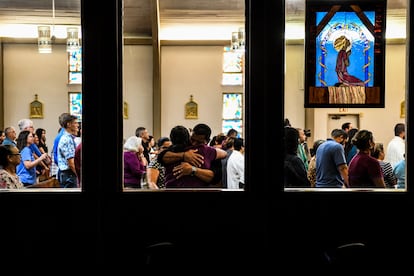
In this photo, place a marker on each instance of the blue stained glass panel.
(360, 49)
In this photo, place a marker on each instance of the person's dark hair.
(213, 141)
(399, 128)
(339, 133)
(202, 129)
(238, 143)
(21, 141)
(348, 144)
(315, 147)
(362, 139)
(180, 137)
(345, 125)
(162, 140)
(5, 150)
(291, 140)
(67, 118)
(287, 122)
(39, 132)
(232, 132)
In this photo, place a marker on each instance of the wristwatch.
(193, 170)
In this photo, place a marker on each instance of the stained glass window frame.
(373, 91)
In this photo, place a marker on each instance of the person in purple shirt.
(135, 162)
(364, 170)
(189, 160)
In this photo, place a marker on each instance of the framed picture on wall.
(345, 53)
(75, 104)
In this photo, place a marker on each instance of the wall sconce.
(44, 40)
(72, 40)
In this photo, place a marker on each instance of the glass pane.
(196, 54)
(316, 123)
(233, 124)
(232, 106)
(40, 67)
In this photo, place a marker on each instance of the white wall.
(197, 71)
(26, 73)
(185, 71)
(138, 87)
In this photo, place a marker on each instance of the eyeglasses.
(15, 154)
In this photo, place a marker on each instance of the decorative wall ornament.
(402, 109)
(36, 109)
(191, 109)
(125, 110)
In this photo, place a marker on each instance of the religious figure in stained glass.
(345, 54)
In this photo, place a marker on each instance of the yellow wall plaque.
(36, 109)
(191, 109)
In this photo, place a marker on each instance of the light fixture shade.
(44, 40)
(234, 40)
(241, 38)
(72, 40)
(237, 40)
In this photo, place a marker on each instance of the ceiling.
(137, 13)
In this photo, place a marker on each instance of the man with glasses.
(10, 136)
(66, 152)
(331, 167)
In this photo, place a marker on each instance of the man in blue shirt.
(56, 143)
(331, 167)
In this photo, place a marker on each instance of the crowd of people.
(185, 159)
(191, 158)
(188, 158)
(26, 161)
(350, 158)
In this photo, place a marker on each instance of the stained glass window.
(232, 112)
(232, 67)
(75, 66)
(345, 54)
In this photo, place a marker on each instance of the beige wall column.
(156, 102)
(1, 89)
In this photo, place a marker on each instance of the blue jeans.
(67, 179)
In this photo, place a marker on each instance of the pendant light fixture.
(44, 40)
(237, 40)
(72, 40)
(45, 37)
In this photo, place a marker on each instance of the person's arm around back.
(190, 156)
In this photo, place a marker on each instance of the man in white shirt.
(396, 147)
(235, 166)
